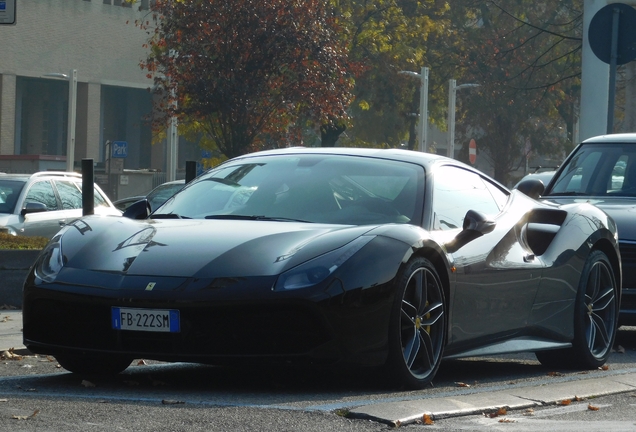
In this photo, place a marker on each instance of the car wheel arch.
(605, 246)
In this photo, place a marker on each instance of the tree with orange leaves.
(244, 70)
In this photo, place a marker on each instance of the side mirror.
(475, 221)
(138, 210)
(33, 207)
(475, 225)
(531, 187)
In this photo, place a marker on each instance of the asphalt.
(401, 412)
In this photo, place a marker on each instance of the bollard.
(88, 191)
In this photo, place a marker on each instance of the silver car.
(40, 204)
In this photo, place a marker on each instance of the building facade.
(100, 41)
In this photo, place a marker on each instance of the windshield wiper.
(256, 218)
(168, 216)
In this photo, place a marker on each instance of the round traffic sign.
(472, 151)
(600, 33)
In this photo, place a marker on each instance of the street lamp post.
(72, 115)
(422, 124)
(452, 95)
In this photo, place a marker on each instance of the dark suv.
(40, 204)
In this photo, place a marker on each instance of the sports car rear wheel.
(418, 325)
(93, 365)
(595, 318)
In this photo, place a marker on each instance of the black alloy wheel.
(595, 318)
(418, 325)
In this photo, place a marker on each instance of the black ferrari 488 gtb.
(369, 257)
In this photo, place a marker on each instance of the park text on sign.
(119, 149)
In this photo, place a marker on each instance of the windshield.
(598, 170)
(310, 188)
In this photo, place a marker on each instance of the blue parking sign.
(119, 149)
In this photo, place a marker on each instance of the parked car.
(40, 204)
(602, 171)
(371, 257)
(155, 197)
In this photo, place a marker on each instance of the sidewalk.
(11, 330)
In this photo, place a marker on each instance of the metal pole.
(452, 92)
(612, 73)
(72, 111)
(423, 120)
(88, 191)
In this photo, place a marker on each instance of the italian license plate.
(152, 320)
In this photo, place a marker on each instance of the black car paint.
(502, 296)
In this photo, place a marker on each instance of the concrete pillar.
(594, 81)
(93, 122)
(7, 114)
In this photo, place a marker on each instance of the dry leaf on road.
(26, 417)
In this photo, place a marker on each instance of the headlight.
(50, 261)
(318, 269)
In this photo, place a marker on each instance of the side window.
(42, 192)
(455, 191)
(70, 195)
(98, 197)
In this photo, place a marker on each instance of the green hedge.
(8, 241)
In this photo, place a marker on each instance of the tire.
(417, 331)
(595, 318)
(93, 365)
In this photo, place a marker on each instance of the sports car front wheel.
(93, 365)
(595, 318)
(418, 325)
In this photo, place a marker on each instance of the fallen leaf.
(5, 319)
(499, 412)
(592, 407)
(171, 402)
(528, 412)
(26, 417)
(512, 383)
(461, 384)
(564, 402)
(555, 374)
(87, 383)
(604, 367)
(504, 420)
(142, 362)
(578, 399)
(10, 355)
(427, 420)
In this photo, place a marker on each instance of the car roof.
(421, 158)
(40, 174)
(612, 138)
(428, 160)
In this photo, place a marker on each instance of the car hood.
(198, 248)
(621, 209)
